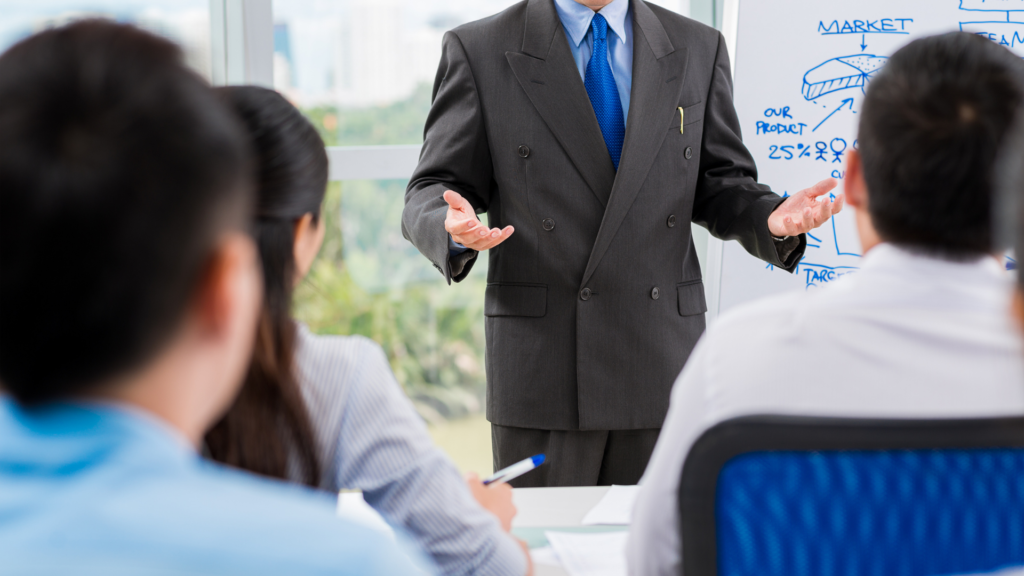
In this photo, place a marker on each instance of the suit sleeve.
(455, 156)
(729, 202)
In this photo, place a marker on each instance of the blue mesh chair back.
(774, 496)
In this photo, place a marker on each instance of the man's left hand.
(805, 210)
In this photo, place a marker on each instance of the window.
(186, 22)
(369, 280)
(363, 70)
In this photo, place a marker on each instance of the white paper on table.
(545, 556)
(615, 509)
(352, 506)
(589, 554)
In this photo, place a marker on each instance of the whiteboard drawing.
(841, 73)
(801, 69)
(1000, 26)
(992, 5)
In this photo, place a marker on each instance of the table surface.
(563, 509)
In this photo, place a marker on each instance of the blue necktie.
(604, 95)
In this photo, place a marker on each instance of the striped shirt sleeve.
(371, 438)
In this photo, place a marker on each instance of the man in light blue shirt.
(130, 294)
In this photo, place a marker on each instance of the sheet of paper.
(615, 509)
(545, 556)
(601, 554)
(352, 506)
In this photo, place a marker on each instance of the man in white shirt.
(922, 331)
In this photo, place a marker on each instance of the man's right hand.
(466, 229)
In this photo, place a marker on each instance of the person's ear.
(308, 237)
(224, 314)
(854, 187)
(230, 294)
(856, 192)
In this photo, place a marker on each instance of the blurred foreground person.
(326, 411)
(128, 300)
(921, 331)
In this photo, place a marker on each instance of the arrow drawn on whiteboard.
(863, 44)
(846, 102)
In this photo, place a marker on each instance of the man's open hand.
(466, 229)
(805, 210)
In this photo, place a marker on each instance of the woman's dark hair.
(933, 121)
(269, 425)
(119, 171)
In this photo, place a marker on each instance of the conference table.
(559, 509)
(539, 510)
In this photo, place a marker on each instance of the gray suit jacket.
(595, 302)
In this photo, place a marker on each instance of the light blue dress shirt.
(100, 489)
(576, 19)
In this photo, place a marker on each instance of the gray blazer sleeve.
(729, 202)
(455, 156)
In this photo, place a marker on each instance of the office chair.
(802, 496)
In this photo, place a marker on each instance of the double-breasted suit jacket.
(596, 300)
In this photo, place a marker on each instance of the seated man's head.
(127, 270)
(931, 126)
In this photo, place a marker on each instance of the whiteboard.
(800, 69)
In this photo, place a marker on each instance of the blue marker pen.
(516, 470)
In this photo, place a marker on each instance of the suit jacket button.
(688, 153)
(655, 294)
(671, 221)
(585, 294)
(524, 151)
(549, 224)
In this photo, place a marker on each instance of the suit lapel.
(659, 70)
(548, 75)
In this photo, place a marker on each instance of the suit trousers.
(575, 457)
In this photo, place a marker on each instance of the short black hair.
(119, 171)
(932, 124)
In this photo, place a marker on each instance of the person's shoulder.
(333, 369)
(770, 311)
(336, 353)
(193, 517)
(265, 523)
(682, 30)
(338, 345)
(506, 24)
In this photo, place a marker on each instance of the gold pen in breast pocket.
(682, 119)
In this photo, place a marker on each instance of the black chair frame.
(732, 438)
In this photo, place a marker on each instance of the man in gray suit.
(591, 132)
